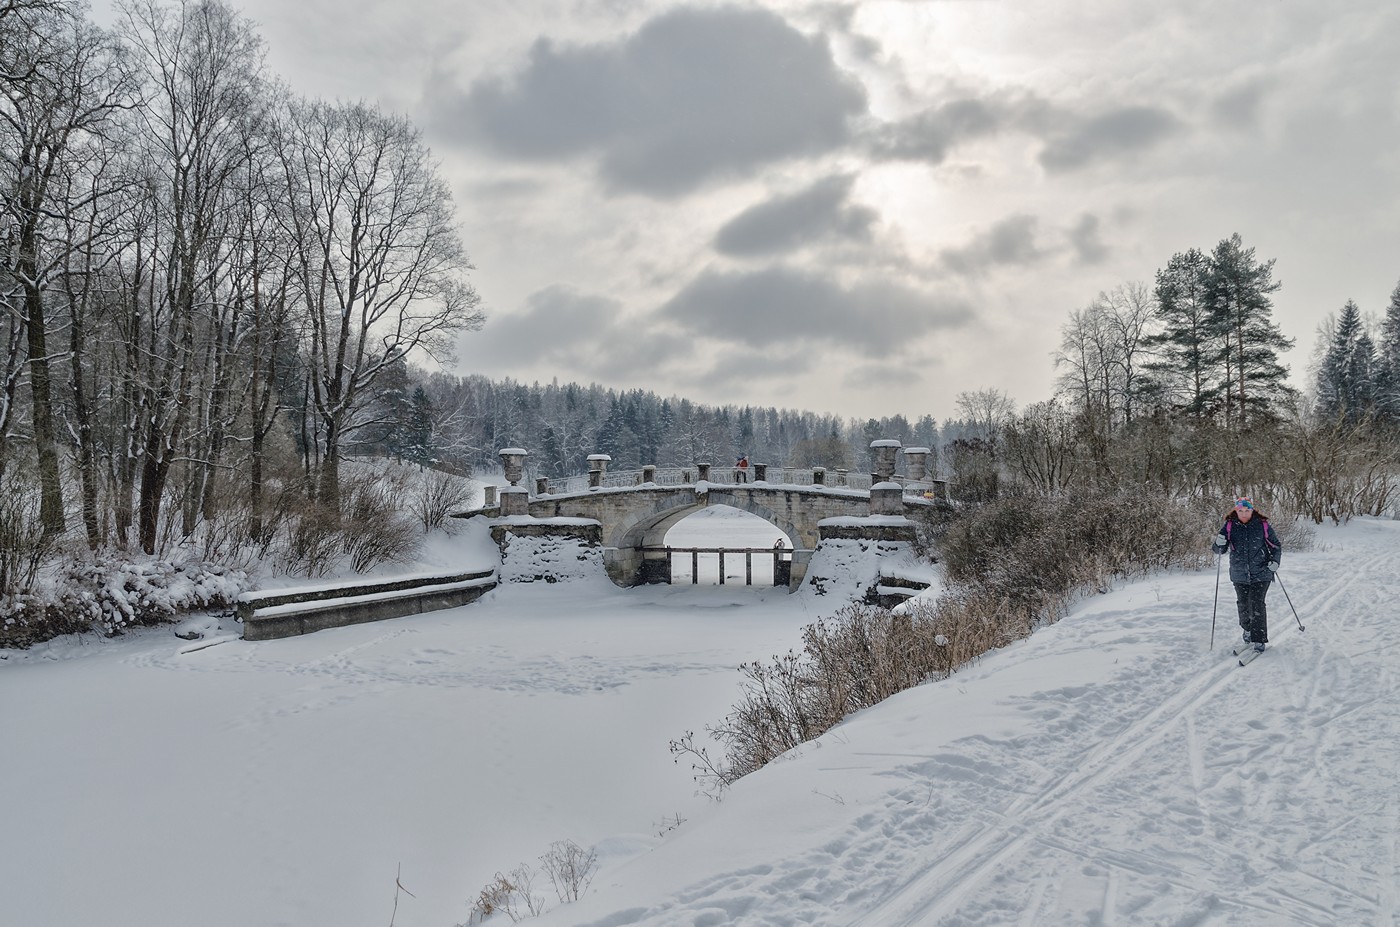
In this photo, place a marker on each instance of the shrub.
(370, 529)
(439, 495)
(511, 895)
(114, 595)
(570, 869)
(24, 544)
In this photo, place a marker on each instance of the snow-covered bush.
(113, 595)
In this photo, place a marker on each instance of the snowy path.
(1108, 771)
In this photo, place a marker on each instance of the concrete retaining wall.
(288, 613)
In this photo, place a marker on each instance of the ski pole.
(1216, 604)
(1290, 602)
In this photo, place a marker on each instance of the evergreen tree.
(1388, 362)
(417, 434)
(1345, 376)
(1189, 347)
(1238, 291)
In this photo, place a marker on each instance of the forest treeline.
(213, 291)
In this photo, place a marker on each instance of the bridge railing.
(780, 476)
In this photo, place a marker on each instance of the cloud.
(787, 223)
(577, 331)
(1012, 241)
(694, 95)
(781, 306)
(1085, 240)
(1126, 131)
(929, 135)
(1239, 107)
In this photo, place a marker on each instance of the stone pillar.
(882, 455)
(515, 500)
(760, 473)
(649, 473)
(819, 476)
(841, 476)
(490, 497)
(916, 463)
(704, 469)
(597, 468)
(513, 460)
(542, 486)
(887, 499)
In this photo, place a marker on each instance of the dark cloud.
(929, 135)
(694, 95)
(786, 223)
(782, 306)
(1086, 240)
(577, 331)
(1125, 131)
(1239, 107)
(1012, 241)
(739, 365)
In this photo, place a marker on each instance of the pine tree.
(1189, 348)
(1345, 384)
(1238, 291)
(1388, 362)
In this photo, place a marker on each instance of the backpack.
(1267, 543)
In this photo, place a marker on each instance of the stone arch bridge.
(633, 510)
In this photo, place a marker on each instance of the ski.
(1248, 656)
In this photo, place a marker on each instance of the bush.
(370, 529)
(124, 594)
(24, 544)
(570, 869)
(439, 495)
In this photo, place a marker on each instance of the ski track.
(1032, 831)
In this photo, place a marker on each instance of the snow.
(1111, 769)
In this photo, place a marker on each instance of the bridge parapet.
(727, 476)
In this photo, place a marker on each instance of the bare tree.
(61, 83)
(987, 410)
(380, 267)
(203, 70)
(1040, 446)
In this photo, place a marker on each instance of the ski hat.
(1244, 502)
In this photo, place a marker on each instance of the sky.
(866, 208)
(1113, 768)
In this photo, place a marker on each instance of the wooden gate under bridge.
(659, 562)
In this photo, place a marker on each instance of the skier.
(1255, 552)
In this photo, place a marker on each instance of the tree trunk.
(50, 486)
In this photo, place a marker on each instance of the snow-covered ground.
(1109, 770)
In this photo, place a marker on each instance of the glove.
(1273, 566)
(1221, 540)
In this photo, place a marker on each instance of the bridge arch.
(648, 529)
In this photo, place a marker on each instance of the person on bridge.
(1255, 553)
(741, 469)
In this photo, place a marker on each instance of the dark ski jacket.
(1252, 545)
